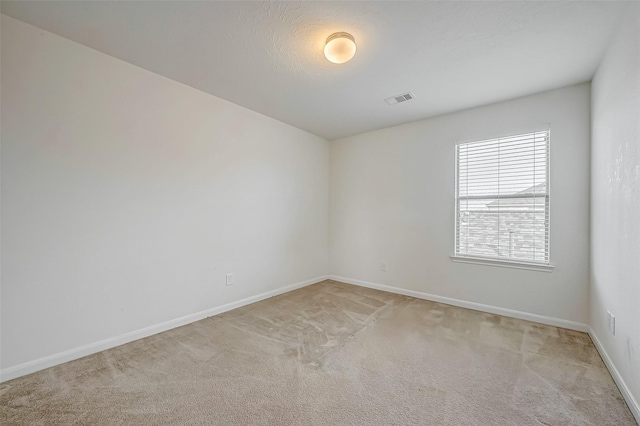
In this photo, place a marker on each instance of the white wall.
(392, 201)
(127, 197)
(615, 203)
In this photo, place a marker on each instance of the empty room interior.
(320, 213)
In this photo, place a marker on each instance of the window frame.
(505, 262)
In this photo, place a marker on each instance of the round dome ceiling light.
(340, 48)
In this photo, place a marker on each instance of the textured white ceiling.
(267, 56)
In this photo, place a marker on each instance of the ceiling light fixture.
(340, 48)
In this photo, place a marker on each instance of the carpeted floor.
(332, 354)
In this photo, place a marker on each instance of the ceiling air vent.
(400, 98)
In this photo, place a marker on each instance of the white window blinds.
(502, 198)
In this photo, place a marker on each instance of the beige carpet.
(332, 354)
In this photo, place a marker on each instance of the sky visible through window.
(502, 167)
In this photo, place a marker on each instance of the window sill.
(503, 263)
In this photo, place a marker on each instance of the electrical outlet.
(613, 325)
(383, 267)
(611, 322)
(229, 279)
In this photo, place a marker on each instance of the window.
(502, 200)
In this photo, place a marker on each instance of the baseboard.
(634, 406)
(557, 322)
(91, 348)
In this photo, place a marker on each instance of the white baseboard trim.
(91, 348)
(557, 322)
(634, 406)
